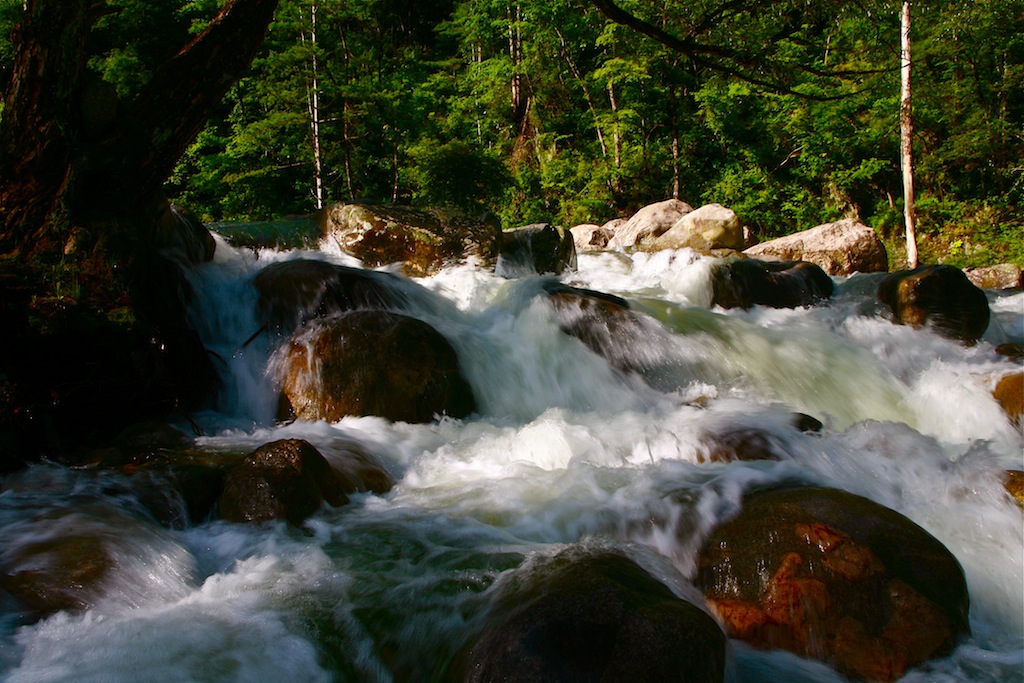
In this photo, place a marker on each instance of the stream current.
(563, 449)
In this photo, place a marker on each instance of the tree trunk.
(906, 138)
(314, 115)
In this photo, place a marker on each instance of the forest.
(564, 111)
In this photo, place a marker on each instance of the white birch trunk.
(906, 138)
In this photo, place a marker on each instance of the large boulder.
(424, 242)
(841, 248)
(293, 292)
(836, 577)
(593, 617)
(287, 479)
(372, 363)
(540, 248)
(649, 223)
(939, 296)
(743, 283)
(710, 227)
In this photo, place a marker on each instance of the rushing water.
(563, 449)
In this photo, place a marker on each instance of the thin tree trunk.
(616, 136)
(314, 117)
(906, 137)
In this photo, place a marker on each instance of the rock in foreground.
(598, 617)
(832, 576)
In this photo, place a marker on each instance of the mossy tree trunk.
(81, 209)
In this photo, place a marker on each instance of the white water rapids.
(563, 449)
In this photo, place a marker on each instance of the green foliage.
(456, 174)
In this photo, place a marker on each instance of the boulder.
(712, 226)
(836, 577)
(592, 617)
(841, 248)
(1009, 393)
(372, 363)
(743, 283)
(287, 479)
(590, 237)
(423, 242)
(602, 321)
(540, 248)
(939, 296)
(649, 223)
(296, 291)
(1002, 276)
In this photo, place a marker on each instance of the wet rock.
(712, 226)
(1011, 351)
(372, 363)
(293, 292)
(358, 471)
(597, 617)
(424, 242)
(58, 573)
(742, 283)
(287, 479)
(602, 321)
(938, 296)
(1009, 393)
(1013, 482)
(540, 248)
(649, 223)
(1002, 276)
(841, 248)
(835, 577)
(750, 443)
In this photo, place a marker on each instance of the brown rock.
(287, 479)
(598, 617)
(373, 363)
(939, 296)
(835, 577)
(540, 248)
(422, 241)
(1009, 392)
(841, 248)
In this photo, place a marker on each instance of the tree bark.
(907, 138)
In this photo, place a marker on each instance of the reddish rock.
(832, 576)
(373, 363)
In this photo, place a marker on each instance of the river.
(563, 449)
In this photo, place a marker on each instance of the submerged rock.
(649, 223)
(1013, 482)
(833, 576)
(540, 248)
(743, 283)
(602, 321)
(287, 479)
(424, 242)
(841, 248)
(373, 363)
(593, 617)
(939, 296)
